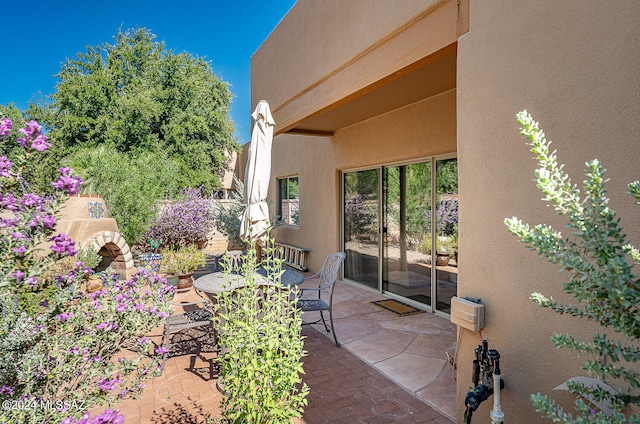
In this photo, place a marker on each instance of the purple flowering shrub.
(447, 217)
(65, 355)
(185, 221)
(359, 215)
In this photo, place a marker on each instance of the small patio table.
(217, 282)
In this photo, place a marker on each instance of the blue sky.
(39, 35)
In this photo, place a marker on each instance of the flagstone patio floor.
(389, 369)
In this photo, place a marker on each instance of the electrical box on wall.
(467, 313)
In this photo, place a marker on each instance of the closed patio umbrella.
(254, 220)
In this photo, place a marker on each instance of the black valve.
(485, 365)
(476, 396)
(494, 357)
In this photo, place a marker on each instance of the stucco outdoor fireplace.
(86, 221)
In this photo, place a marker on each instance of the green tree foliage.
(600, 264)
(131, 185)
(136, 96)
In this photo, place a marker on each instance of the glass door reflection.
(361, 226)
(446, 225)
(406, 270)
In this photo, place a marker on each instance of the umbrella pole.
(259, 252)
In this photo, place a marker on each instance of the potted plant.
(445, 245)
(170, 277)
(443, 250)
(183, 261)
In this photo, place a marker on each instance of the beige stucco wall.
(324, 52)
(317, 183)
(424, 129)
(574, 66)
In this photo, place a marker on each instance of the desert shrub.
(132, 185)
(185, 221)
(262, 348)
(61, 348)
(227, 217)
(600, 264)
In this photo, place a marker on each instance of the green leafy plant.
(444, 244)
(600, 264)
(262, 347)
(183, 260)
(132, 185)
(89, 257)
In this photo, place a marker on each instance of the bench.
(292, 256)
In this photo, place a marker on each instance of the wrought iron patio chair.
(201, 316)
(327, 277)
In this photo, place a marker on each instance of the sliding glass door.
(407, 196)
(361, 226)
(446, 233)
(393, 217)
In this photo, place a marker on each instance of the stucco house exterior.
(377, 102)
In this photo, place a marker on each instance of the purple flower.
(20, 250)
(5, 166)
(18, 236)
(107, 384)
(63, 245)
(31, 199)
(17, 274)
(5, 127)
(47, 221)
(67, 182)
(32, 127)
(64, 316)
(6, 390)
(8, 201)
(161, 350)
(31, 281)
(109, 416)
(143, 340)
(106, 326)
(31, 132)
(40, 143)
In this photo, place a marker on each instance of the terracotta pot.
(442, 259)
(94, 283)
(185, 281)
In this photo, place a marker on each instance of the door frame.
(379, 167)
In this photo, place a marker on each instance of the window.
(288, 200)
